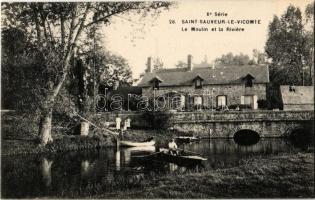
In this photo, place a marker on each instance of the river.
(64, 174)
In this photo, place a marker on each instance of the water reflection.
(67, 173)
(46, 171)
(123, 155)
(246, 137)
(117, 158)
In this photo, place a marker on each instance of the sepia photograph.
(186, 99)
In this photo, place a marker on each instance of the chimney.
(116, 85)
(149, 65)
(189, 64)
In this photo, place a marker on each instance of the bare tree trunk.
(45, 128)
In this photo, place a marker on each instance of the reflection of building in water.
(46, 171)
(127, 154)
(117, 157)
(85, 167)
(173, 167)
(138, 177)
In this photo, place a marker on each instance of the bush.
(157, 120)
(233, 106)
(245, 107)
(262, 103)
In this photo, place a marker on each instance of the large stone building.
(207, 86)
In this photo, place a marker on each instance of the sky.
(136, 39)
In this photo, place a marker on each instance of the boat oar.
(189, 151)
(147, 155)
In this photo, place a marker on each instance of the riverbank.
(19, 136)
(28, 144)
(282, 176)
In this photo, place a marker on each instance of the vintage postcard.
(157, 99)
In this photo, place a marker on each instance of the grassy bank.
(279, 176)
(15, 144)
(61, 144)
(19, 136)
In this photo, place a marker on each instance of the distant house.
(297, 97)
(207, 86)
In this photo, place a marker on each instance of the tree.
(230, 59)
(58, 29)
(181, 64)
(309, 34)
(116, 68)
(259, 57)
(158, 63)
(286, 46)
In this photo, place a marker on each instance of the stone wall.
(220, 124)
(233, 92)
(137, 120)
(224, 124)
(298, 106)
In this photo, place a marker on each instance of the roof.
(218, 75)
(300, 94)
(156, 78)
(124, 91)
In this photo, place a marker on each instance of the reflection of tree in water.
(72, 172)
(302, 138)
(117, 160)
(46, 171)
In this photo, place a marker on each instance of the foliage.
(56, 30)
(274, 97)
(262, 103)
(158, 119)
(158, 63)
(28, 72)
(287, 47)
(181, 64)
(230, 59)
(259, 57)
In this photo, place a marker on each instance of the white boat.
(136, 144)
(150, 149)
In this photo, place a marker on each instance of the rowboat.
(127, 143)
(149, 149)
(187, 139)
(184, 158)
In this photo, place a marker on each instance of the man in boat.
(172, 146)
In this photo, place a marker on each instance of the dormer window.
(198, 82)
(248, 80)
(249, 83)
(156, 83)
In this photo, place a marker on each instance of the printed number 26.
(172, 21)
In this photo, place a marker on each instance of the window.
(198, 84)
(156, 85)
(291, 88)
(248, 100)
(248, 82)
(221, 101)
(197, 100)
